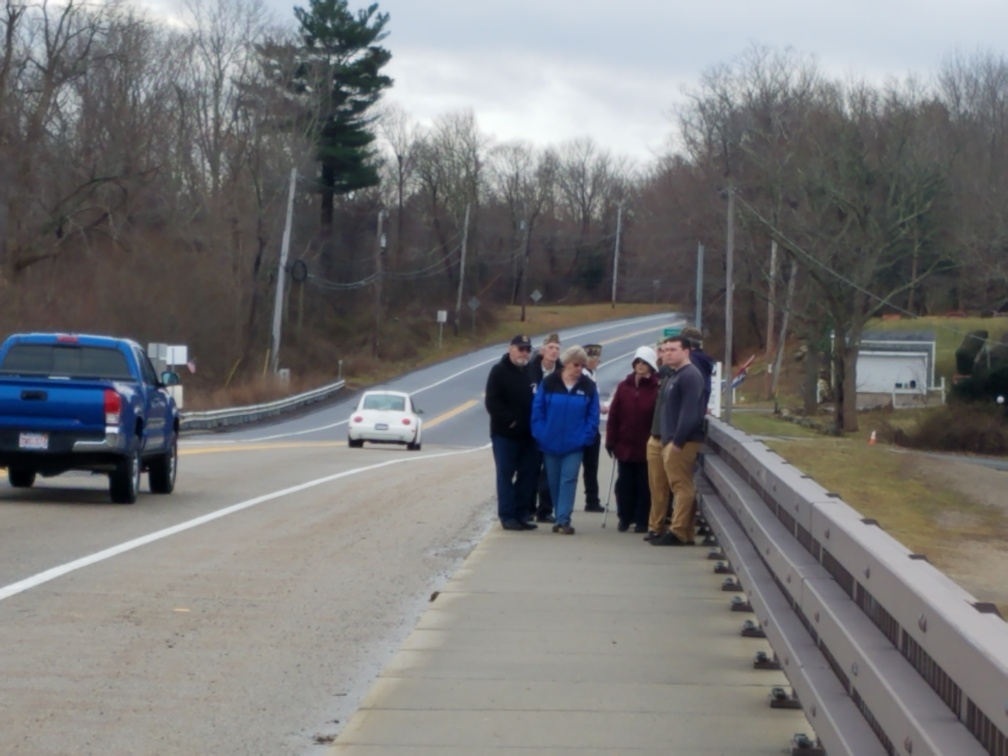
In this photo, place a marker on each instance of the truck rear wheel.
(20, 477)
(124, 482)
(161, 470)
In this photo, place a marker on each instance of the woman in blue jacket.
(565, 418)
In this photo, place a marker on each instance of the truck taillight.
(113, 407)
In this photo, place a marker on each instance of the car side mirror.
(169, 378)
(418, 410)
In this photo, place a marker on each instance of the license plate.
(381, 426)
(33, 441)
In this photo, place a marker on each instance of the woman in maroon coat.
(627, 431)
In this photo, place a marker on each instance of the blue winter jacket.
(564, 421)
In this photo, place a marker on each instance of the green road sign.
(668, 333)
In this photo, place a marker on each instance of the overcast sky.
(551, 70)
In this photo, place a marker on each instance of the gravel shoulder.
(978, 564)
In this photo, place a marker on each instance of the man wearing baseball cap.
(516, 456)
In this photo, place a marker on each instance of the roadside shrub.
(983, 387)
(961, 427)
(966, 354)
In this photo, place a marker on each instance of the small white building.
(898, 367)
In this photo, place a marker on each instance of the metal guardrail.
(885, 653)
(253, 413)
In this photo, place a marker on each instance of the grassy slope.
(880, 483)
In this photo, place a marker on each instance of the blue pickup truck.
(75, 402)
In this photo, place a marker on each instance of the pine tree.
(340, 67)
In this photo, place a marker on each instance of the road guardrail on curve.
(231, 416)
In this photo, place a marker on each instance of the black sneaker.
(529, 525)
(651, 535)
(594, 508)
(512, 525)
(545, 518)
(623, 527)
(640, 529)
(669, 539)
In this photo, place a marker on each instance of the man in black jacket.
(516, 456)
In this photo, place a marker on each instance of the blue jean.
(562, 470)
(517, 464)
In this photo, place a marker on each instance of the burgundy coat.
(628, 426)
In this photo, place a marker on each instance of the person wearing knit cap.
(627, 432)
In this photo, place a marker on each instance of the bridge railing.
(885, 653)
(213, 419)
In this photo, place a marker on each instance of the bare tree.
(401, 137)
(523, 180)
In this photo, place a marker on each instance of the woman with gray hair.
(565, 418)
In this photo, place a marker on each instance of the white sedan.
(385, 417)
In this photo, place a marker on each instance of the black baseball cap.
(521, 340)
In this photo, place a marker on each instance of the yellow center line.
(627, 336)
(224, 448)
(450, 413)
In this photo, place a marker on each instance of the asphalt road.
(250, 610)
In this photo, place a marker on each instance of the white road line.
(64, 569)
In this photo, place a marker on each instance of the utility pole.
(771, 299)
(698, 316)
(524, 267)
(729, 296)
(615, 260)
(458, 298)
(379, 254)
(278, 301)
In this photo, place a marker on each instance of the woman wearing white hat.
(627, 432)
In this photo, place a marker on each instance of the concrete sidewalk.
(592, 643)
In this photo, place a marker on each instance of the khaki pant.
(658, 485)
(679, 469)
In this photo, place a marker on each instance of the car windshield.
(70, 360)
(385, 402)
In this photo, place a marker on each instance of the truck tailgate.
(52, 406)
